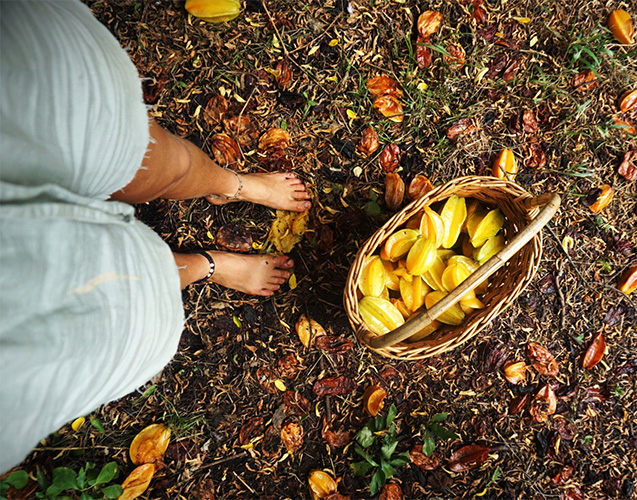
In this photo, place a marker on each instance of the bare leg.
(253, 274)
(176, 169)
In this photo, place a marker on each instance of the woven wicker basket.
(511, 270)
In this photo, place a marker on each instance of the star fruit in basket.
(453, 215)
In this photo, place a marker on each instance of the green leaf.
(95, 422)
(379, 423)
(113, 491)
(107, 474)
(428, 445)
(365, 437)
(391, 414)
(18, 479)
(372, 209)
(86, 496)
(438, 417)
(441, 432)
(387, 469)
(361, 468)
(43, 482)
(387, 450)
(400, 459)
(378, 480)
(63, 479)
(365, 455)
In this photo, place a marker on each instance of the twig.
(219, 461)
(560, 294)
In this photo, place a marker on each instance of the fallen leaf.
(529, 121)
(519, 404)
(336, 439)
(234, 237)
(390, 157)
(288, 366)
(544, 404)
(468, 457)
(137, 482)
(252, 429)
(511, 69)
(572, 493)
(292, 436)
(283, 74)
(595, 352)
(334, 386)
(456, 57)
(424, 55)
(150, 444)
(242, 128)
(542, 360)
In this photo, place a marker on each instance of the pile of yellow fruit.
(420, 263)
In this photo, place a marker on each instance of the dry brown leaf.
(274, 139)
(137, 482)
(538, 156)
(390, 107)
(572, 493)
(283, 75)
(391, 491)
(150, 444)
(529, 122)
(288, 366)
(242, 128)
(292, 436)
(334, 386)
(369, 142)
(519, 404)
(563, 475)
(544, 404)
(336, 439)
(251, 429)
(542, 360)
(511, 69)
(468, 457)
(333, 344)
(456, 57)
(394, 190)
(595, 352)
(424, 55)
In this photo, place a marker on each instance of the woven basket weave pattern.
(504, 286)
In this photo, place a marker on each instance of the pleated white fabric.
(90, 305)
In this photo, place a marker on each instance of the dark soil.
(218, 395)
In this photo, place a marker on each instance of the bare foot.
(253, 274)
(279, 190)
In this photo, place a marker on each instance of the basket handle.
(551, 203)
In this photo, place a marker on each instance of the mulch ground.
(241, 373)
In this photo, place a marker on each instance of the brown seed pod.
(394, 190)
(369, 142)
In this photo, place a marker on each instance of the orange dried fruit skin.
(418, 187)
(429, 23)
(603, 199)
(390, 107)
(515, 372)
(398, 244)
(275, 138)
(383, 85)
(625, 127)
(372, 279)
(621, 26)
(321, 484)
(628, 281)
(380, 315)
(374, 399)
(137, 482)
(628, 100)
(595, 352)
(308, 329)
(453, 215)
(505, 166)
(369, 142)
(150, 444)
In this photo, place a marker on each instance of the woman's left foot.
(279, 190)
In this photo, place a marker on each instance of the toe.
(301, 206)
(283, 262)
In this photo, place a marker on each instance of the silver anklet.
(236, 195)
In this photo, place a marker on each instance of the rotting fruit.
(321, 484)
(621, 26)
(150, 444)
(374, 399)
(214, 11)
(505, 166)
